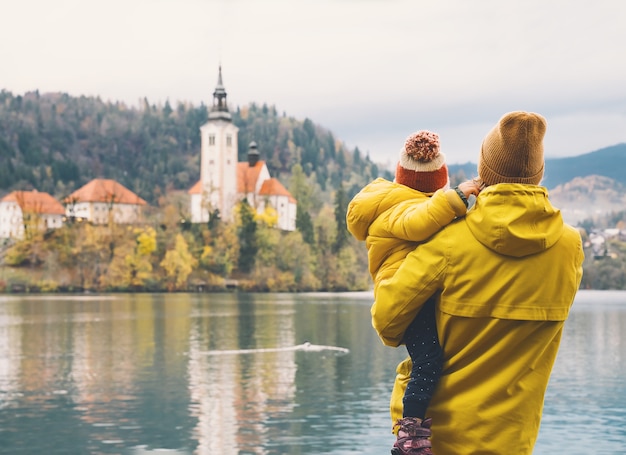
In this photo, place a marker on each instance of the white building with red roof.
(104, 200)
(21, 210)
(224, 181)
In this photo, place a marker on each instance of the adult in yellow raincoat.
(506, 276)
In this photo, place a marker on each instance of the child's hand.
(470, 187)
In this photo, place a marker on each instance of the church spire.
(220, 107)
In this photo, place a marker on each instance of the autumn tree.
(178, 264)
(91, 254)
(220, 248)
(295, 257)
(131, 267)
(269, 216)
(220, 258)
(325, 234)
(265, 274)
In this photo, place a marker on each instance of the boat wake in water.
(299, 347)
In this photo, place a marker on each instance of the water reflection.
(79, 371)
(138, 373)
(585, 409)
(232, 396)
(254, 374)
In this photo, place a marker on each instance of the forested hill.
(56, 143)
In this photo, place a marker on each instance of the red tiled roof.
(246, 182)
(196, 189)
(247, 176)
(272, 187)
(105, 190)
(35, 202)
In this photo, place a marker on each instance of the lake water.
(271, 374)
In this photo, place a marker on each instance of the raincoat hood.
(515, 220)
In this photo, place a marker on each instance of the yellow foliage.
(138, 269)
(146, 241)
(269, 217)
(47, 285)
(281, 282)
(17, 254)
(178, 264)
(127, 269)
(207, 251)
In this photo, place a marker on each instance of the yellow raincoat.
(392, 218)
(507, 275)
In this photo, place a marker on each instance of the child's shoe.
(413, 437)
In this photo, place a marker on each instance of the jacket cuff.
(455, 202)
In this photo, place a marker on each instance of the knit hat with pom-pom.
(422, 166)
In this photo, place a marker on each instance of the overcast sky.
(370, 71)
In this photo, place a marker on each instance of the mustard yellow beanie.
(512, 152)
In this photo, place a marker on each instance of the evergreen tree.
(246, 234)
(341, 207)
(304, 224)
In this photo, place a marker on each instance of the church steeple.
(253, 154)
(220, 111)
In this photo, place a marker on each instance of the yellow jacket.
(506, 275)
(392, 219)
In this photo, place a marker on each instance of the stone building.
(224, 181)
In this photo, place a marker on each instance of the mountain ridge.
(608, 161)
(583, 187)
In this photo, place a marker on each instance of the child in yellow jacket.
(392, 218)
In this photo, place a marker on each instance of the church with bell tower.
(224, 181)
